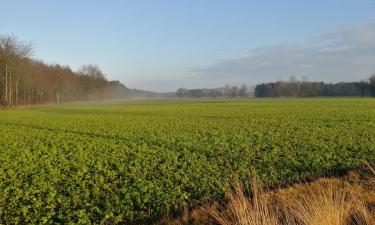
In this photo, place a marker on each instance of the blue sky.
(161, 45)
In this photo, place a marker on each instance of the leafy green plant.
(133, 161)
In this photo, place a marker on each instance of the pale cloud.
(342, 55)
(361, 37)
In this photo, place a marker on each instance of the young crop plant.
(131, 162)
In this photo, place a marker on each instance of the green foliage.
(123, 162)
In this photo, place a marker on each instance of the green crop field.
(117, 162)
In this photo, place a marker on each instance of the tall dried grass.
(327, 201)
(366, 211)
(240, 209)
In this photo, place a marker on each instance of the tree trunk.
(6, 85)
(41, 97)
(10, 89)
(16, 100)
(58, 97)
(32, 95)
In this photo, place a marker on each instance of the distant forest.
(291, 88)
(296, 88)
(24, 80)
(228, 91)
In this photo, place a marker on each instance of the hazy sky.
(161, 45)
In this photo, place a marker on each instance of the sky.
(161, 45)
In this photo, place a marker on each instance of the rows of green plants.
(132, 161)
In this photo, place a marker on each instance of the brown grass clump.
(368, 180)
(367, 208)
(327, 201)
(240, 209)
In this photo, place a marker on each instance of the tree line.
(296, 88)
(291, 88)
(228, 91)
(24, 80)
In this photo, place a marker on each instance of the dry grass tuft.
(327, 201)
(367, 209)
(239, 209)
(368, 180)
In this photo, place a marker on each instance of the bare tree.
(12, 52)
(95, 80)
(233, 91)
(243, 92)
